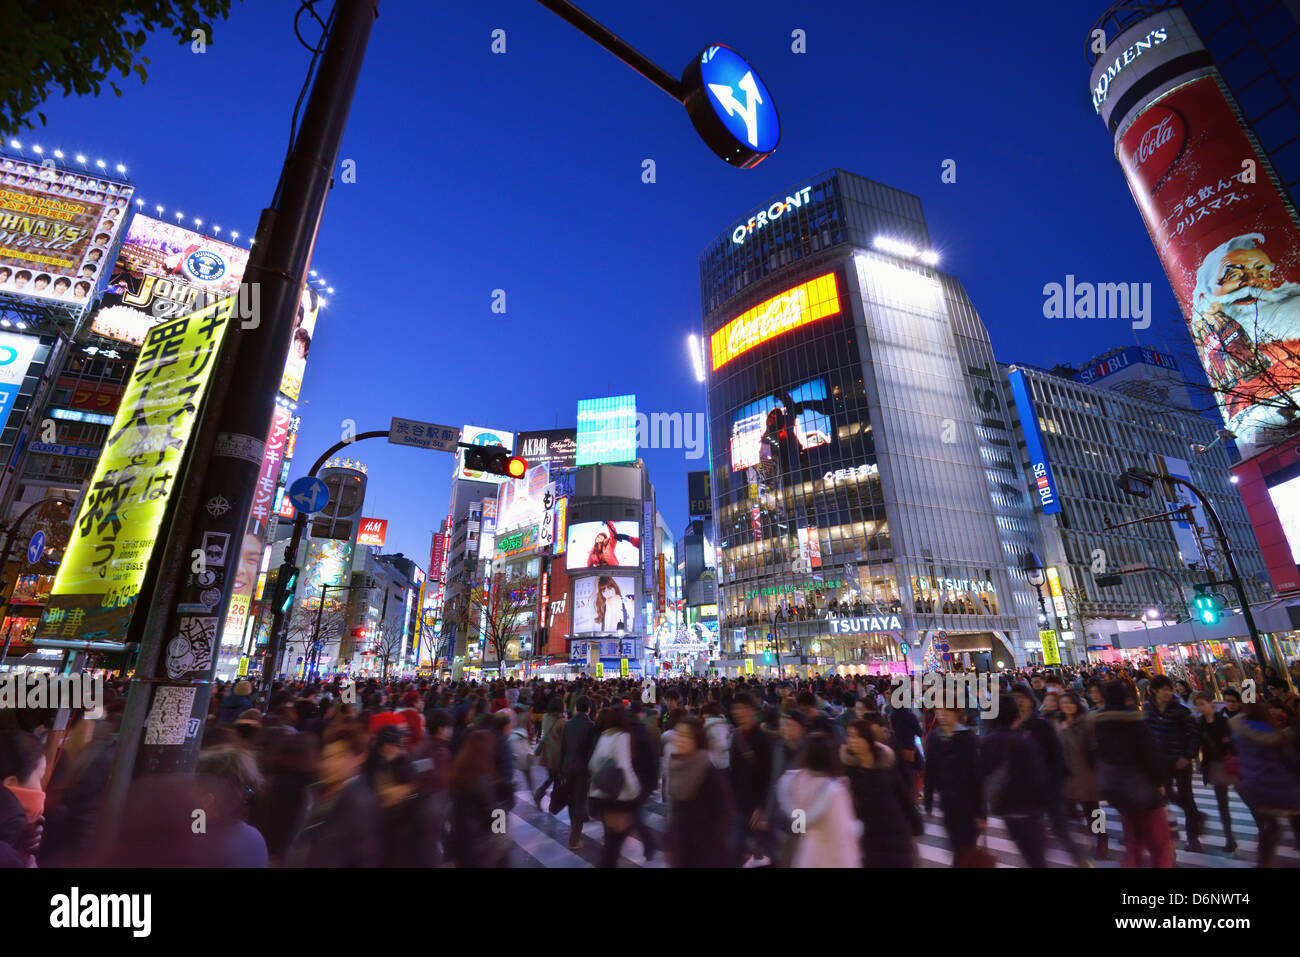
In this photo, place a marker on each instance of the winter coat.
(407, 833)
(232, 705)
(701, 813)
(645, 760)
(1045, 736)
(953, 772)
(1175, 731)
(1128, 759)
(1015, 774)
(1270, 766)
(830, 835)
(719, 734)
(1076, 741)
(472, 840)
(341, 830)
(577, 743)
(616, 747)
(750, 769)
(552, 729)
(281, 809)
(890, 820)
(1215, 741)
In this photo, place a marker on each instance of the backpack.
(609, 778)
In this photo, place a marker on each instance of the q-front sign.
(770, 215)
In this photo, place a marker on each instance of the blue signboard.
(36, 548)
(1042, 485)
(73, 451)
(309, 494)
(730, 106)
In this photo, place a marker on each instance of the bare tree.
(310, 624)
(499, 606)
(388, 646)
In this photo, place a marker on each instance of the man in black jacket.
(750, 770)
(1175, 731)
(1030, 722)
(645, 762)
(953, 772)
(577, 743)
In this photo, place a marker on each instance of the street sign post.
(423, 435)
(36, 548)
(309, 494)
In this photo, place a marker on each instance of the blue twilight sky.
(522, 172)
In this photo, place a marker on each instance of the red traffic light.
(494, 460)
(516, 467)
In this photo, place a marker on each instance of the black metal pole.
(616, 45)
(229, 441)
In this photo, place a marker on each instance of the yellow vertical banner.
(622, 667)
(122, 512)
(1051, 653)
(600, 670)
(749, 666)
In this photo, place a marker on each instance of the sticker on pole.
(36, 548)
(309, 494)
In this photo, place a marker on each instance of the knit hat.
(243, 689)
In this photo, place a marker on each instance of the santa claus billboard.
(1231, 249)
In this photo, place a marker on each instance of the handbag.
(609, 778)
(559, 796)
(976, 855)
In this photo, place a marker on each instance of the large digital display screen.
(607, 430)
(604, 544)
(781, 428)
(603, 602)
(329, 562)
(58, 229)
(1230, 249)
(519, 501)
(807, 302)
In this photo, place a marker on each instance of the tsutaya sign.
(845, 626)
(770, 215)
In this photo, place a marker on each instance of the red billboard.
(374, 531)
(1230, 248)
(557, 618)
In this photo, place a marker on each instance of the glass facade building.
(869, 510)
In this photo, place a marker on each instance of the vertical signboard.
(121, 514)
(700, 495)
(1042, 486)
(1051, 653)
(648, 549)
(16, 354)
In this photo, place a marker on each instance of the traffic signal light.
(767, 654)
(1206, 608)
(494, 460)
(286, 583)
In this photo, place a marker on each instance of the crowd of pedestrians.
(753, 773)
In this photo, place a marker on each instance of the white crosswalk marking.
(541, 839)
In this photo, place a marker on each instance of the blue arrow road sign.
(309, 494)
(36, 548)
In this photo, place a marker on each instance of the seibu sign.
(815, 299)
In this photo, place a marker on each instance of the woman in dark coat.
(1270, 775)
(475, 800)
(881, 800)
(700, 809)
(953, 772)
(407, 828)
(289, 765)
(1218, 758)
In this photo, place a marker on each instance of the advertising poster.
(374, 531)
(57, 231)
(601, 603)
(476, 435)
(808, 302)
(121, 514)
(557, 448)
(16, 354)
(1270, 488)
(519, 501)
(607, 430)
(1042, 486)
(1230, 249)
(329, 562)
(561, 527)
(601, 544)
(699, 493)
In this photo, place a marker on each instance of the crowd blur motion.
(821, 772)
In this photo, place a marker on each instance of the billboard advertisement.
(121, 514)
(603, 602)
(1270, 488)
(699, 493)
(604, 544)
(606, 430)
(16, 354)
(1041, 485)
(1230, 249)
(777, 431)
(475, 435)
(329, 562)
(58, 229)
(374, 531)
(798, 306)
(557, 448)
(519, 501)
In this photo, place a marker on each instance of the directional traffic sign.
(36, 548)
(730, 107)
(309, 494)
(423, 435)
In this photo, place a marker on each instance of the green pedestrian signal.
(1206, 609)
(286, 583)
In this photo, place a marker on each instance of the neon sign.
(798, 306)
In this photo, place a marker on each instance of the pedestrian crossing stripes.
(541, 839)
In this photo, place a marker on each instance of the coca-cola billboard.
(1231, 250)
(807, 302)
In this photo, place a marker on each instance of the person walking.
(890, 820)
(818, 801)
(342, 826)
(1015, 782)
(701, 812)
(1130, 777)
(750, 776)
(1219, 763)
(548, 747)
(1270, 775)
(1029, 721)
(577, 744)
(1176, 733)
(953, 772)
(1081, 779)
(614, 786)
(476, 837)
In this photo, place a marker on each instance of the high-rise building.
(870, 511)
